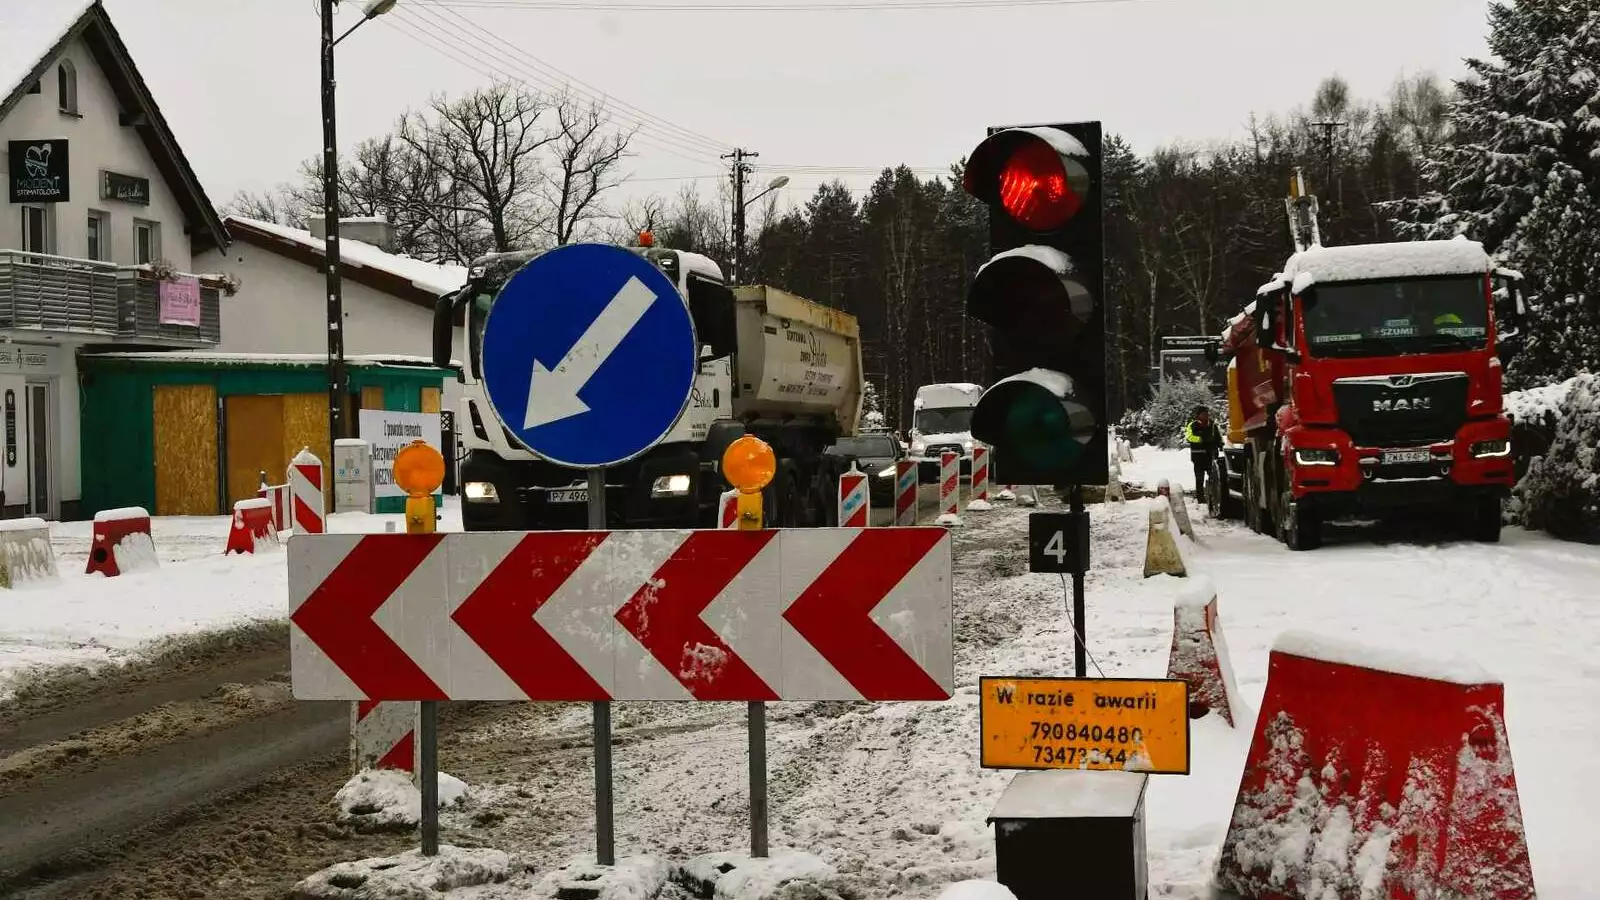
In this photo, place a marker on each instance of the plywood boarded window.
(255, 444)
(185, 449)
(305, 424)
(430, 399)
(372, 398)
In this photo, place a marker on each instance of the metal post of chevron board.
(419, 470)
(604, 797)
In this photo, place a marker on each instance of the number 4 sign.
(1058, 543)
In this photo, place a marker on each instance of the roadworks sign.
(1112, 724)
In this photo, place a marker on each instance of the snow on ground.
(79, 619)
(1151, 464)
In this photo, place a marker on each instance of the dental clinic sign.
(38, 171)
(387, 431)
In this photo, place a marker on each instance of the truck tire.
(1255, 513)
(1299, 528)
(1220, 500)
(1486, 521)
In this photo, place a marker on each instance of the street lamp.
(740, 205)
(337, 427)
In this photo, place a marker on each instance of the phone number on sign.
(1056, 731)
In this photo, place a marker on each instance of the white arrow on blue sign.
(589, 355)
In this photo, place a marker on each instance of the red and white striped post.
(979, 497)
(949, 483)
(384, 735)
(305, 488)
(728, 510)
(282, 514)
(855, 507)
(905, 492)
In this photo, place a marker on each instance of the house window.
(146, 241)
(38, 229)
(99, 242)
(67, 87)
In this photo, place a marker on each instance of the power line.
(773, 5)
(687, 134)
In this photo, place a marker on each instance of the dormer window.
(67, 87)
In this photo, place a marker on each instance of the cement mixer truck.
(773, 364)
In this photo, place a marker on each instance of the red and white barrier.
(1379, 774)
(728, 510)
(122, 542)
(1200, 655)
(282, 508)
(978, 497)
(305, 488)
(949, 488)
(855, 507)
(906, 483)
(251, 527)
(383, 735)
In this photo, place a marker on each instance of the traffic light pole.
(1080, 648)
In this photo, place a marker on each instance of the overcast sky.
(856, 88)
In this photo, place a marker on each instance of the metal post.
(740, 170)
(1079, 631)
(428, 771)
(330, 212)
(605, 829)
(758, 779)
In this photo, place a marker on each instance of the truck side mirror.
(444, 330)
(711, 307)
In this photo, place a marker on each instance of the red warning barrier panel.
(1200, 655)
(1376, 774)
(282, 509)
(905, 492)
(728, 510)
(854, 507)
(383, 735)
(122, 542)
(252, 526)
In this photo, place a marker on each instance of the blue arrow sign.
(589, 355)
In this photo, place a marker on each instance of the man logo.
(1403, 405)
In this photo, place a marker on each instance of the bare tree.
(277, 205)
(647, 214)
(585, 152)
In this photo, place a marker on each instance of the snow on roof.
(1404, 259)
(29, 30)
(697, 262)
(1457, 669)
(430, 277)
(299, 359)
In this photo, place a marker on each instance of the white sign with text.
(389, 430)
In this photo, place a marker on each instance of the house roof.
(409, 279)
(35, 33)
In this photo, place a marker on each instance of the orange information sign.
(1118, 724)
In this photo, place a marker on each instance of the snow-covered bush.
(871, 407)
(1560, 493)
(1160, 421)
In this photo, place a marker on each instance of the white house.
(103, 217)
(282, 306)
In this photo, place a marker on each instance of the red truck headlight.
(1316, 456)
(1490, 449)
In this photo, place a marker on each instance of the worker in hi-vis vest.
(1205, 442)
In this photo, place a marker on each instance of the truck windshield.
(477, 314)
(1422, 315)
(949, 420)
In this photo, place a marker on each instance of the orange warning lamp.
(419, 470)
(646, 239)
(749, 464)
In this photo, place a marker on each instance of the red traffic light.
(1033, 173)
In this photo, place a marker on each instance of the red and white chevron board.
(980, 473)
(906, 480)
(305, 491)
(949, 483)
(804, 614)
(383, 735)
(854, 508)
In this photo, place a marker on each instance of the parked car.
(875, 453)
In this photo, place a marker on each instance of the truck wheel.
(1486, 520)
(1301, 529)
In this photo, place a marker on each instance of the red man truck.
(1364, 379)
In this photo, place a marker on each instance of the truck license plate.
(1405, 456)
(570, 495)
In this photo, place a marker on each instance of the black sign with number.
(39, 172)
(11, 428)
(1058, 543)
(126, 188)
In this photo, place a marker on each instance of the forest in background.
(1506, 155)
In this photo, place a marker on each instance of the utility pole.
(741, 169)
(330, 222)
(1328, 126)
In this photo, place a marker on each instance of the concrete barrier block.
(26, 555)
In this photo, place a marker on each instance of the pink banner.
(180, 302)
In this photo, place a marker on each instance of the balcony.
(115, 304)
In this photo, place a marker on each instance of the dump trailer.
(1365, 380)
(773, 365)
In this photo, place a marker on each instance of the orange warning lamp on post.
(749, 465)
(419, 470)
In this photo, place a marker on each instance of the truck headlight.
(1314, 456)
(967, 446)
(481, 492)
(670, 486)
(1490, 449)
(918, 448)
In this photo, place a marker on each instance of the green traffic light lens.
(1046, 431)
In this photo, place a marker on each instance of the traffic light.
(1042, 292)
